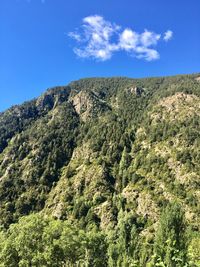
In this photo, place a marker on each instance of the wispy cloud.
(100, 39)
(75, 36)
(168, 35)
(95, 38)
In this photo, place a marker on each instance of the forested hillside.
(103, 172)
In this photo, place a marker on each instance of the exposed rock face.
(52, 98)
(177, 100)
(174, 107)
(146, 206)
(137, 91)
(83, 102)
(88, 104)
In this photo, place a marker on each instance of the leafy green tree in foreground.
(171, 240)
(40, 241)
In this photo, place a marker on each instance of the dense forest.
(103, 172)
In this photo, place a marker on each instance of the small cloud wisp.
(100, 39)
(168, 35)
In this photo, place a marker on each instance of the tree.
(171, 242)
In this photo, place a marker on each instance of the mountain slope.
(103, 148)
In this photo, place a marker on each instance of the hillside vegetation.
(103, 172)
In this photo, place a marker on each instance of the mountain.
(109, 154)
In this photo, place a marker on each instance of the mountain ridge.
(98, 150)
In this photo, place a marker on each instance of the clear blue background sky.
(36, 53)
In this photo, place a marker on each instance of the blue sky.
(44, 43)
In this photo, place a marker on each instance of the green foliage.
(194, 251)
(40, 241)
(171, 242)
(106, 165)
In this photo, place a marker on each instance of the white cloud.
(96, 34)
(149, 38)
(168, 35)
(128, 40)
(100, 39)
(146, 53)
